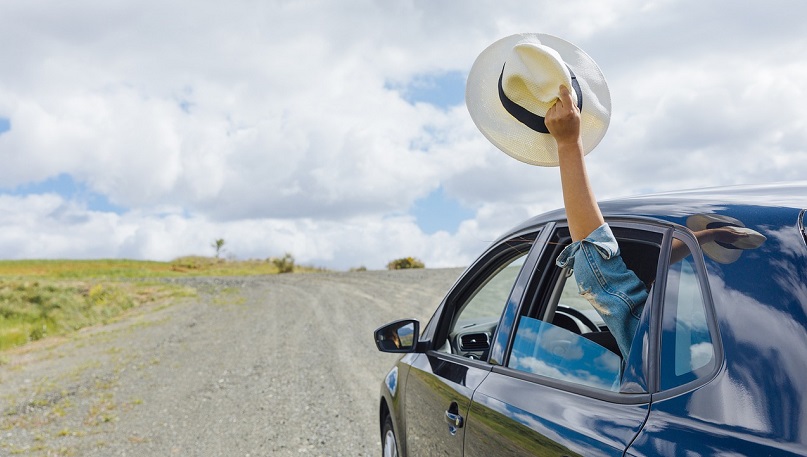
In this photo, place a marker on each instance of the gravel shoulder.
(277, 365)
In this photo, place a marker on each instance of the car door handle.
(454, 419)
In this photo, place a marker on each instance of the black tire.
(389, 442)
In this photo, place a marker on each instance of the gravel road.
(254, 366)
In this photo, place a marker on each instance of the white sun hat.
(514, 82)
(725, 252)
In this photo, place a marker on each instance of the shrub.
(405, 263)
(284, 264)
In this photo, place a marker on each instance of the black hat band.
(528, 118)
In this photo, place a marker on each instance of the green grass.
(33, 310)
(121, 268)
(42, 298)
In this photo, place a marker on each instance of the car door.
(689, 354)
(441, 381)
(562, 388)
(716, 393)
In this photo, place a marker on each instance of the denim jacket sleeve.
(605, 281)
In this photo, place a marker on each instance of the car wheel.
(390, 442)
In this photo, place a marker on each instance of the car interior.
(560, 305)
(567, 309)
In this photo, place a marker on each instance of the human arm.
(602, 277)
(582, 211)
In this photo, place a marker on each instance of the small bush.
(284, 264)
(38, 333)
(405, 263)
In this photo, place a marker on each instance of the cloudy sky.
(337, 130)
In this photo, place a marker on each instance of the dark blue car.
(516, 362)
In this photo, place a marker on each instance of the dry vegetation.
(40, 298)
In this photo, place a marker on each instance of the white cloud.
(274, 125)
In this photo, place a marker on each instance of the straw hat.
(514, 82)
(725, 252)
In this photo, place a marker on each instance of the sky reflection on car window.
(548, 350)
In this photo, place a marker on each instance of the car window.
(491, 297)
(562, 336)
(687, 349)
(570, 299)
(478, 315)
(557, 348)
(552, 351)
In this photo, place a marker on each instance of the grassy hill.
(41, 298)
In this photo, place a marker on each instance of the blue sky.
(67, 188)
(148, 129)
(444, 90)
(438, 211)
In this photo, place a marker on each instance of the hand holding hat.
(563, 118)
(514, 83)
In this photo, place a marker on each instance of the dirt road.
(255, 366)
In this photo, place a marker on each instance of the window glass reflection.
(473, 328)
(552, 351)
(490, 299)
(686, 345)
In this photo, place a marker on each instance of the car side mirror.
(399, 336)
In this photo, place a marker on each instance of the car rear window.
(687, 349)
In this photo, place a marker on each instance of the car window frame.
(546, 273)
(802, 223)
(474, 277)
(701, 272)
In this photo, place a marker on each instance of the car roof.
(787, 199)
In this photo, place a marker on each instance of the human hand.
(563, 119)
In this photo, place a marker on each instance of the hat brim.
(511, 136)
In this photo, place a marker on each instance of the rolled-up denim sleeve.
(605, 281)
